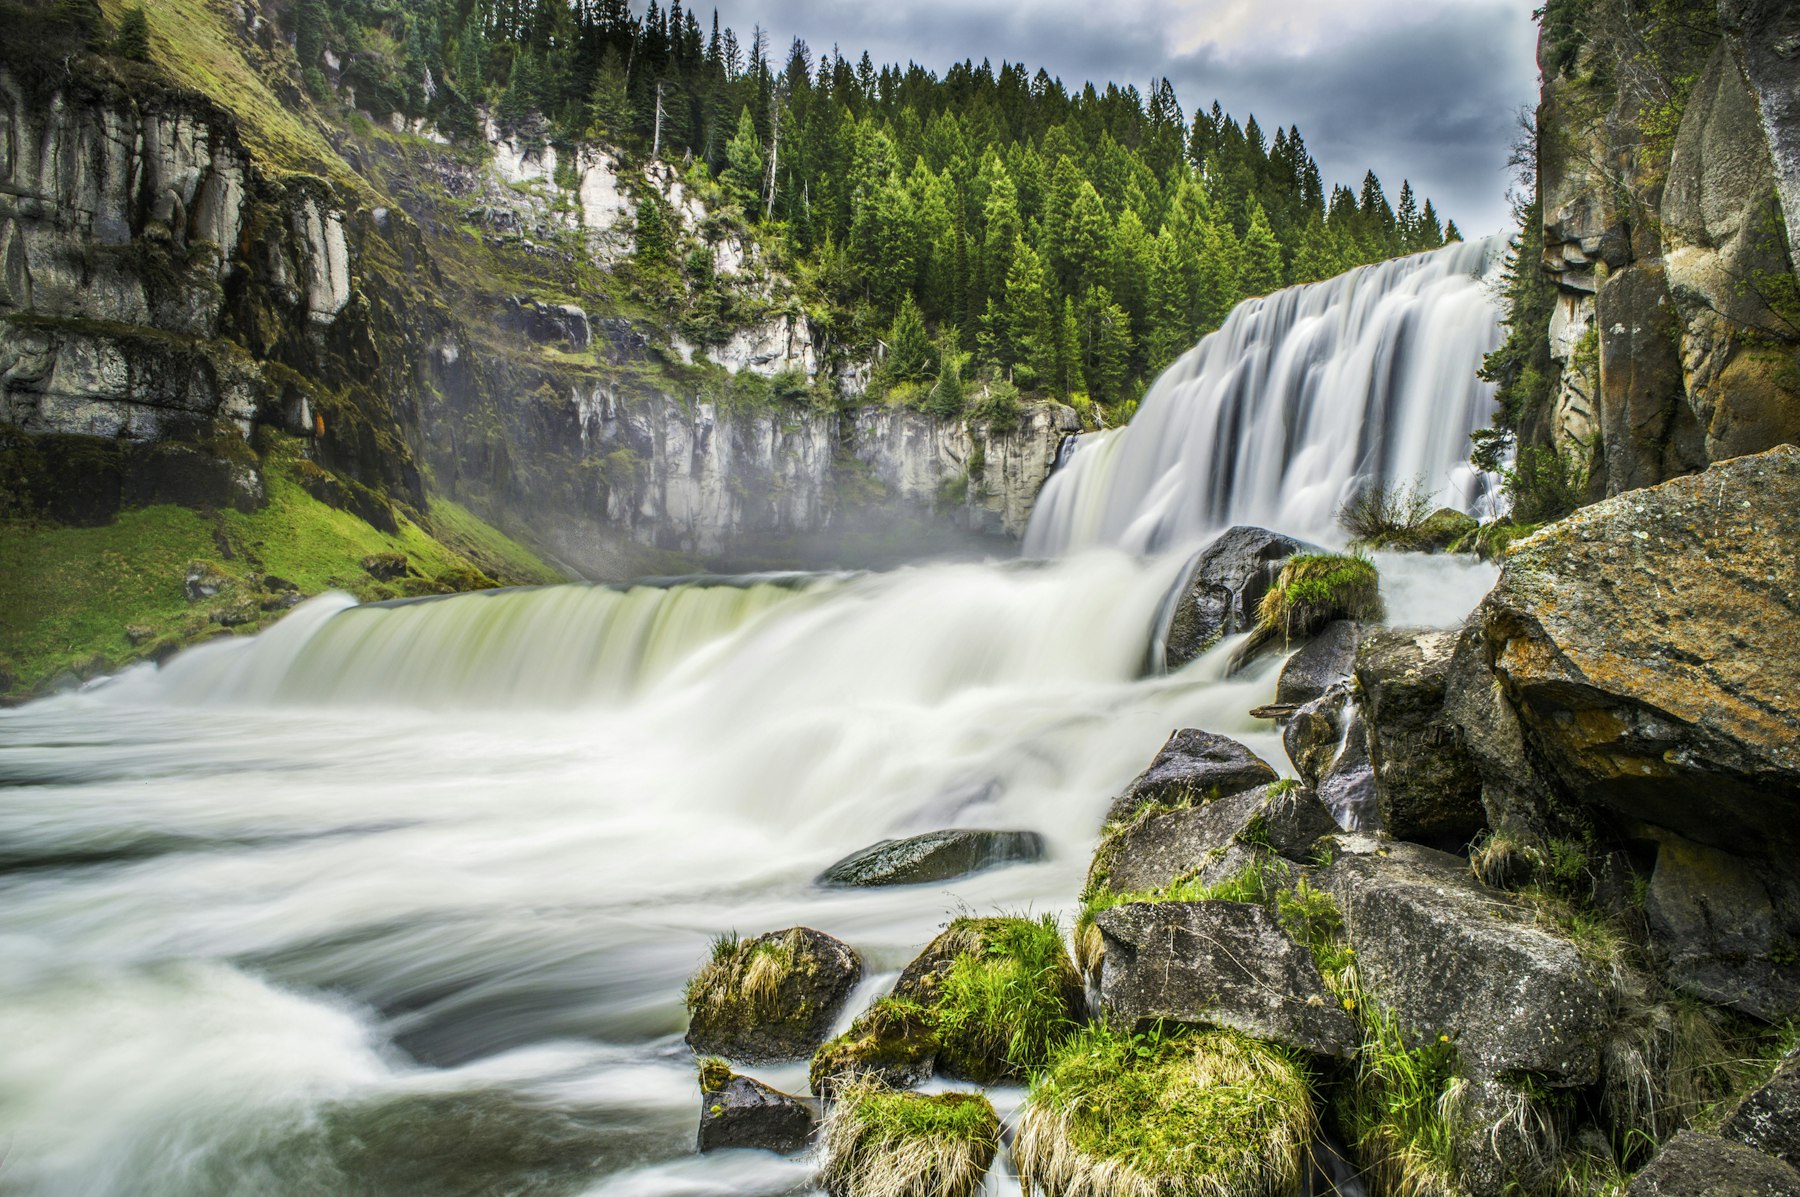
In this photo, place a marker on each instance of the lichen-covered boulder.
(1160, 847)
(1192, 766)
(1426, 786)
(1219, 591)
(1223, 964)
(894, 1042)
(933, 856)
(1696, 1165)
(773, 997)
(1644, 649)
(740, 1111)
(1768, 1117)
(1448, 956)
(882, 1143)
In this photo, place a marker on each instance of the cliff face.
(1668, 153)
(165, 302)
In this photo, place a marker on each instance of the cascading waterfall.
(398, 900)
(1298, 400)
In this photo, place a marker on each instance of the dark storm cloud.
(1421, 89)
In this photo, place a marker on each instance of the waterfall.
(1299, 399)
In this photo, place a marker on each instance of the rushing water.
(399, 900)
(1296, 402)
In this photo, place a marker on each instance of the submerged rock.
(741, 1111)
(1695, 1165)
(934, 856)
(1192, 766)
(1426, 786)
(773, 997)
(1448, 956)
(1224, 964)
(1220, 589)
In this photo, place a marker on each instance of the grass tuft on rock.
(1005, 1000)
(1205, 1113)
(880, 1142)
(894, 1040)
(1314, 589)
(745, 972)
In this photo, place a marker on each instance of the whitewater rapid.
(399, 899)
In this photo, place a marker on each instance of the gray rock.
(784, 1017)
(1219, 592)
(934, 856)
(1226, 964)
(1695, 1165)
(1768, 1118)
(1319, 664)
(1449, 956)
(1327, 739)
(1190, 766)
(1197, 841)
(747, 1113)
(1426, 785)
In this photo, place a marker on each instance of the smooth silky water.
(400, 899)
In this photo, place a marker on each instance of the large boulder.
(1426, 786)
(1192, 766)
(1448, 956)
(934, 856)
(1225, 964)
(741, 1111)
(1635, 662)
(773, 997)
(1695, 1165)
(1768, 1118)
(1219, 591)
(1156, 850)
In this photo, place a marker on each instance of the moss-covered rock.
(1312, 591)
(773, 997)
(882, 1143)
(741, 1111)
(894, 1041)
(1200, 1114)
(999, 992)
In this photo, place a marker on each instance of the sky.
(1426, 90)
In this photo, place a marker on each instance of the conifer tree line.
(981, 223)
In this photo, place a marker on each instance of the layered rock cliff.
(1667, 143)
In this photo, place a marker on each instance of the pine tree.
(909, 350)
(1106, 346)
(1406, 218)
(1262, 255)
(1069, 377)
(743, 177)
(472, 58)
(609, 103)
(1452, 233)
(133, 42)
(1029, 330)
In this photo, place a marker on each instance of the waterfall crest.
(1299, 399)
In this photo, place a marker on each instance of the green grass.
(1315, 588)
(1004, 1003)
(1197, 1114)
(883, 1143)
(1402, 1110)
(196, 44)
(92, 599)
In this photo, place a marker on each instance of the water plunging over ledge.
(399, 899)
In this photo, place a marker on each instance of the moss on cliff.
(89, 600)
